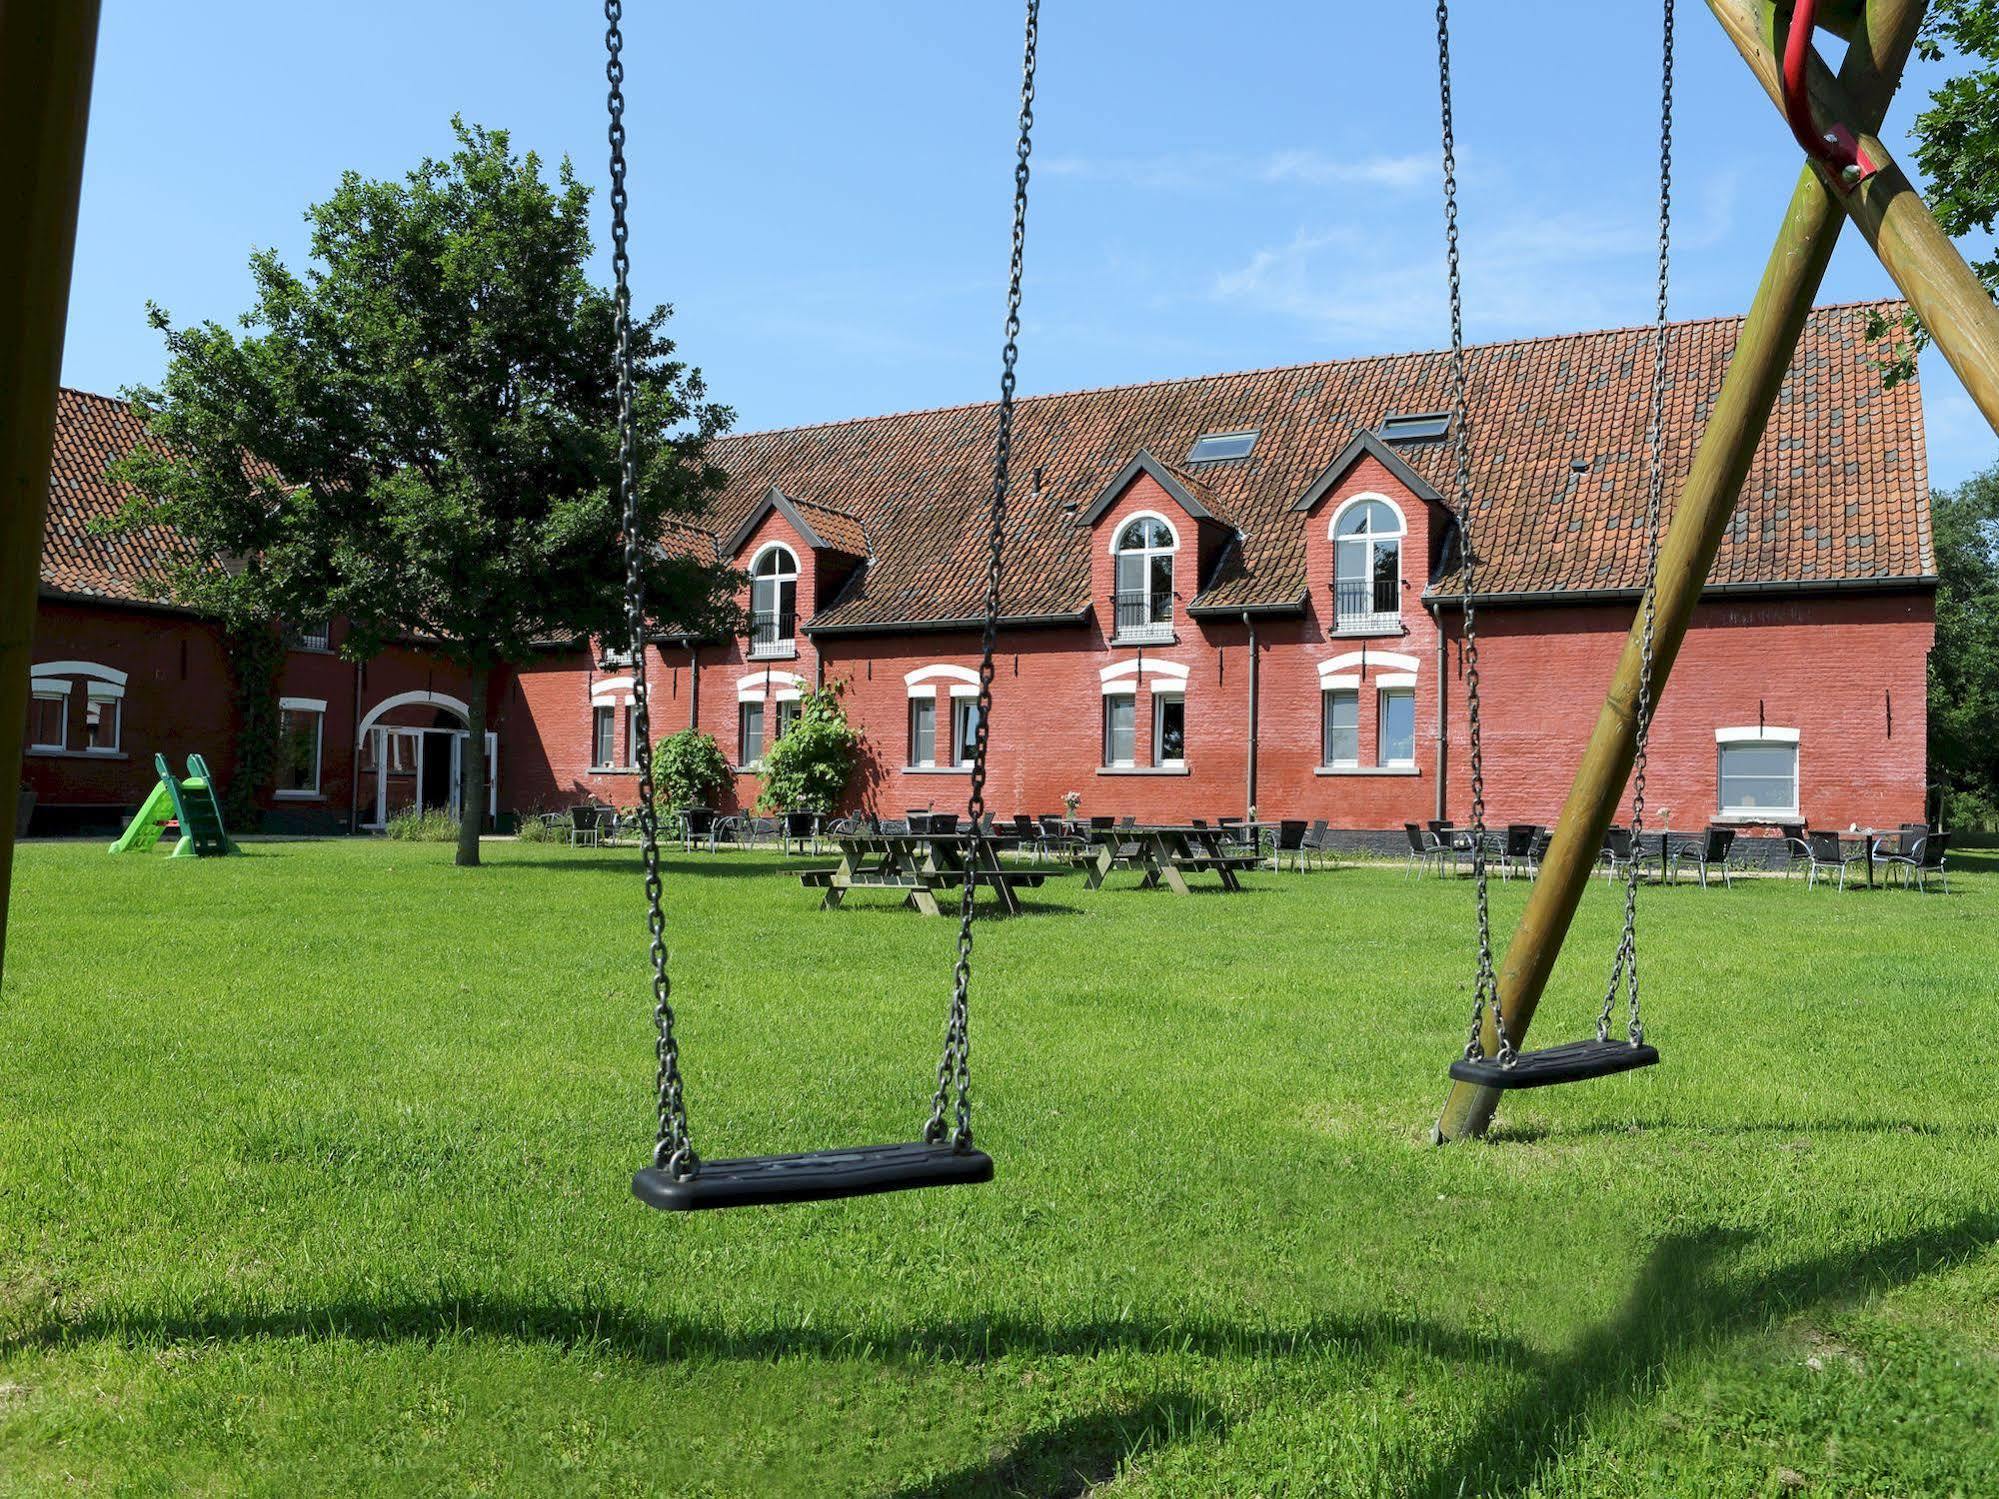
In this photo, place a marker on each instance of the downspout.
(354, 762)
(1443, 715)
(1249, 623)
(694, 686)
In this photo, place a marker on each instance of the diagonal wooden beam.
(1871, 71)
(1886, 208)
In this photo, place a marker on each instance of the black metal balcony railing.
(1142, 610)
(772, 634)
(1358, 601)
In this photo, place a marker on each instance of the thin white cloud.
(1216, 171)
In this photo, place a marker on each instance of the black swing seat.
(1574, 1062)
(813, 1176)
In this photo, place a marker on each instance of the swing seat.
(813, 1176)
(1574, 1062)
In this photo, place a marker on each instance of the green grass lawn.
(314, 1176)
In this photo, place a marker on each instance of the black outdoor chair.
(1538, 851)
(1619, 849)
(917, 821)
(1825, 855)
(936, 822)
(584, 825)
(1290, 840)
(1102, 824)
(1425, 848)
(802, 829)
(1924, 859)
(1518, 849)
(1026, 835)
(1710, 855)
(697, 825)
(1319, 843)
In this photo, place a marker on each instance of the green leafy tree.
(1957, 149)
(1964, 664)
(807, 769)
(420, 432)
(688, 769)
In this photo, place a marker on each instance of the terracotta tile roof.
(91, 431)
(679, 538)
(842, 530)
(1839, 489)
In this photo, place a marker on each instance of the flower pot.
(24, 808)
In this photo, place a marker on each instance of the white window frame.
(748, 756)
(1113, 700)
(1330, 689)
(52, 692)
(600, 738)
(316, 707)
(1387, 687)
(786, 571)
(1160, 759)
(787, 716)
(921, 705)
(1370, 621)
(113, 699)
(1759, 735)
(1152, 629)
(963, 742)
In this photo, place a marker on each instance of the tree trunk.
(472, 770)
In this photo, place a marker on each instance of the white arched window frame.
(938, 741)
(1390, 678)
(50, 685)
(774, 601)
(1367, 533)
(1127, 745)
(1142, 551)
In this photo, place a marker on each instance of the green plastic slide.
(191, 803)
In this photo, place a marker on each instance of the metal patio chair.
(1708, 856)
(1425, 849)
(1923, 861)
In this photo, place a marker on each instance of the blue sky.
(823, 191)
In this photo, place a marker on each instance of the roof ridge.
(1282, 369)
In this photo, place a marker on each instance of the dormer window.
(1367, 535)
(1415, 426)
(774, 603)
(1214, 447)
(1144, 551)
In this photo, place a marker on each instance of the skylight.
(1415, 426)
(1215, 446)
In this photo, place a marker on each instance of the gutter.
(1900, 582)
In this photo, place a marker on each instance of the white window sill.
(1366, 770)
(756, 769)
(1143, 770)
(786, 651)
(936, 770)
(1369, 624)
(298, 796)
(1163, 635)
(614, 770)
(1755, 815)
(77, 754)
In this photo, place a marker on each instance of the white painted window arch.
(1143, 548)
(611, 691)
(960, 681)
(778, 686)
(1367, 531)
(1122, 677)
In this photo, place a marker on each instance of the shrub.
(424, 825)
(807, 769)
(688, 769)
(529, 827)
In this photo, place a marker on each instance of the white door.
(492, 772)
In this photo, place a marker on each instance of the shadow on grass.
(1073, 1457)
(1681, 1303)
(1535, 1134)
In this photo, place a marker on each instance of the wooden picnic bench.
(1165, 855)
(920, 865)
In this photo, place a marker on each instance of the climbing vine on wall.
(256, 655)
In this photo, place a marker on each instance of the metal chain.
(954, 1070)
(673, 1149)
(1625, 968)
(1485, 988)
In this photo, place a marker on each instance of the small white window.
(314, 636)
(923, 732)
(603, 735)
(1415, 426)
(1396, 741)
(787, 715)
(964, 729)
(1758, 773)
(1169, 729)
(1213, 447)
(1342, 734)
(48, 721)
(749, 735)
(631, 736)
(301, 734)
(1120, 730)
(101, 722)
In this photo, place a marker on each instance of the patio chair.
(1825, 855)
(1515, 850)
(1027, 836)
(696, 825)
(1319, 843)
(1709, 855)
(1619, 850)
(1904, 846)
(1290, 840)
(801, 828)
(1538, 851)
(1923, 860)
(937, 822)
(1425, 848)
(584, 825)
(917, 821)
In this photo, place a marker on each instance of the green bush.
(688, 770)
(807, 769)
(426, 825)
(529, 827)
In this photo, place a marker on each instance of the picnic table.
(1166, 855)
(920, 865)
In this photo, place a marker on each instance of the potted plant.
(24, 809)
(1071, 800)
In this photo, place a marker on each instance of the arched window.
(1367, 566)
(774, 602)
(1144, 551)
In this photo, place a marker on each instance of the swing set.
(45, 70)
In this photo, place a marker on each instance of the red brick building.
(1240, 589)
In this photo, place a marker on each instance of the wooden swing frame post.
(1881, 34)
(46, 56)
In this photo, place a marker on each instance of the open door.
(492, 775)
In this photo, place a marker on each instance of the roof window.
(1415, 426)
(1213, 447)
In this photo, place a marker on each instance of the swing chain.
(1625, 968)
(673, 1149)
(954, 1070)
(1485, 988)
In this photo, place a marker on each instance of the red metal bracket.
(1835, 146)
